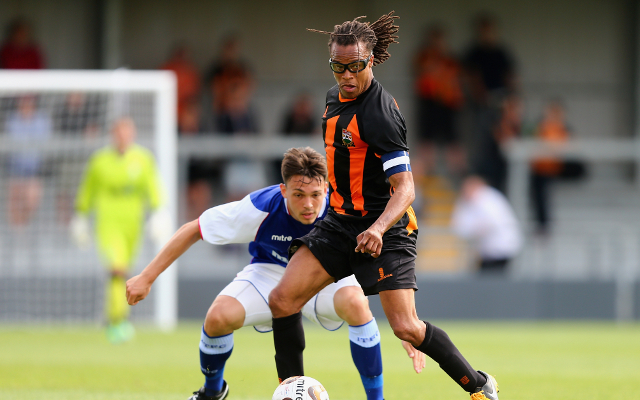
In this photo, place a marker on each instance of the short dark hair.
(376, 36)
(303, 161)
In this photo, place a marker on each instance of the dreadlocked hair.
(376, 36)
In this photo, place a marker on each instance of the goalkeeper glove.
(159, 227)
(80, 231)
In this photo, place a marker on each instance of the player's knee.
(215, 322)
(221, 320)
(352, 306)
(279, 305)
(276, 303)
(407, 331)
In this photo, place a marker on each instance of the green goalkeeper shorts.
(118, 246)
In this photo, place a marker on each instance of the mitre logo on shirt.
(279, 257)
(347, 138)
(281, 238)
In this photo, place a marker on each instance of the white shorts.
(251, 287)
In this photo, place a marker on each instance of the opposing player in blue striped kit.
(269, 219)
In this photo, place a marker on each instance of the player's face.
(305, 197)
(123, 134)
(352, 83)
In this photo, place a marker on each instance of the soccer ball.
(300, 388)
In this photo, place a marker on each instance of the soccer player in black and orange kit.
(370, 229)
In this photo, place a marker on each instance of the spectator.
(78, 115)
(490, 72)
(231, 83)
(18, 50)
(489, 65)
(440, 97)
(189, 118)
(554, 132)
(188, 82)
(300, 118)
(483, 215)
(491, 162)
(189, 123)
(26, 125)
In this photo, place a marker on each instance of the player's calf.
(352, 306)
(364, 341)
(225, 315)
(119, 329)
(214, 353)
(440, 348)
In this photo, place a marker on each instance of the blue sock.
(214, 353)
(365, 350)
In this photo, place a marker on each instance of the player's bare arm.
(139, 286)
(370, 241)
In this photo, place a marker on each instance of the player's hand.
(137, 289)
(419, 360)
(370, 242)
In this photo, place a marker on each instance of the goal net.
(50, 123)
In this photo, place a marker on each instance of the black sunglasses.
(353, 67)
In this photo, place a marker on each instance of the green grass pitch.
(581, 360)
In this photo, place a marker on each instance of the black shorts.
(333, 243)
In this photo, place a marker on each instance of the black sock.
(441, 349)
(288, 338)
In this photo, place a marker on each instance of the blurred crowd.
(468, 106)
(481, 85)
(220, 101)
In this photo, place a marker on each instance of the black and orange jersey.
(366, 142)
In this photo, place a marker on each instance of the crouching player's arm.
(139, 286)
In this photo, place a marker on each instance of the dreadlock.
(376, 37)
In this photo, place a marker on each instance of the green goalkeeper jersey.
(119, 187)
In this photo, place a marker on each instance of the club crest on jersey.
(347, 138)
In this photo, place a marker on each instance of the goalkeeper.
(270, 219)
(120, 181)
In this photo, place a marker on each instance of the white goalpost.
(50, 123)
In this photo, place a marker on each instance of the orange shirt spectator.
(188, 81)
(553, 131)
(437, 84)
(438, 74)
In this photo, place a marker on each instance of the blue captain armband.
(396, 161)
